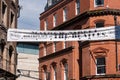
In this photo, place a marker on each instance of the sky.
(30, 13)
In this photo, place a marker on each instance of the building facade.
(27, 56)
(80, 60)
(9, 12)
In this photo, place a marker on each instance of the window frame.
(55, 72)
(54, 20)
(77, 7)
(4, 16)
(65, 14)
(64, 44)
(45, 50)
(98, 22)
(65, 71)
(12, 19)
(45, 73)
(98, 66)
(96, 5)
(54, 46)
(45, 24)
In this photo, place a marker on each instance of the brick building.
(79, 60)
(8, 56)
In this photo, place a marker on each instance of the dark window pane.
(99, 2)
(101, 65)
(100, 61)
(101, 70)
(99, 24)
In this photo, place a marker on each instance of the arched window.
(54, 73)
(65, 71)
(2, 45)
(45, 73)
(4, 13)
(10, 52)
(54, 70)
(2, 51)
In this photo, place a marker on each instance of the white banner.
(106, 33)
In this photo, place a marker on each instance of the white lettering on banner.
(106, 33)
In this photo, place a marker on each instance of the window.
(54, 73)
(101, 65)
(77, 7)
(54, 46)
(64, 14)
(2, 46)
(49, 2)
(54, 20)
(64, 44)
(99, 24)
(45, 25)
(65, 71)
(45, 73)
(12, 20)
(4, 14)
(99, 3)
(45, 50)
(10, 52)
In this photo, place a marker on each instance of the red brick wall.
(81, 59)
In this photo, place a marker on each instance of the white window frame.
(65, 71)
(54, 20)
(45, 24)
(64, 44)
(54, 46)
(45, 75)
(77, 7)
(54, 72)
(95, 5)
(45, 51)
(100, 66)
(64, 14)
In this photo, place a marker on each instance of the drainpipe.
(116, 47)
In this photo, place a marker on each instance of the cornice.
(58, 53)
(87, 14)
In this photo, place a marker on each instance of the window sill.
(99, 6)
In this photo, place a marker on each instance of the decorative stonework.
(100, 51)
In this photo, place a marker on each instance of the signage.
(105, 33)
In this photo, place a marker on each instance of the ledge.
(101, 76)
(7, 74)
(58, 53)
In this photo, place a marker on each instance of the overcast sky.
(30, 13)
